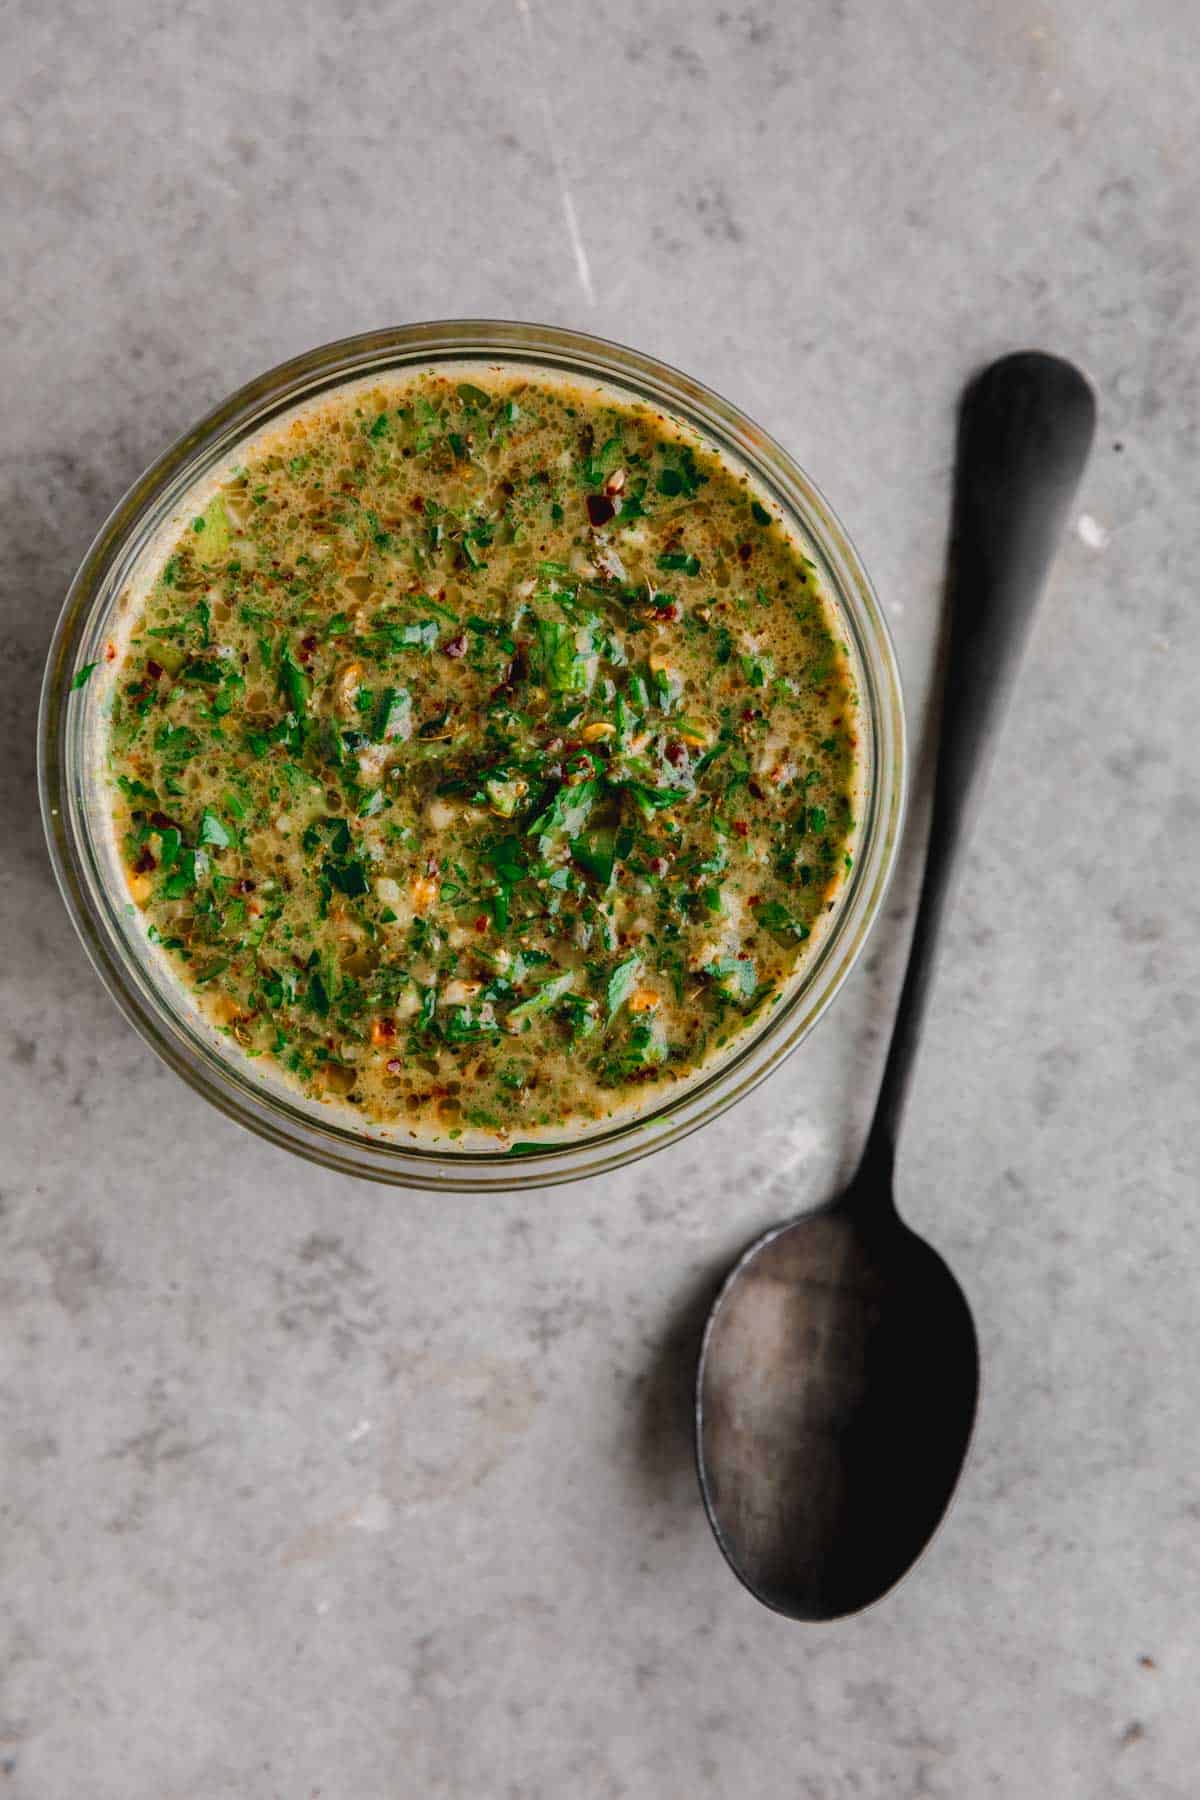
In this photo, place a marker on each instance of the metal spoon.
(839, 1369)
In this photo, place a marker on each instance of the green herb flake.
(776, 917)
(212, 831)
(680, 560)
(621, 984)
(541, 1001)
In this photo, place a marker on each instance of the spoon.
(839, 1370)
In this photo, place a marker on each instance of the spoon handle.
(1025, 429)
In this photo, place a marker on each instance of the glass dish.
(73, 789)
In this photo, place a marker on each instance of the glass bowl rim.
(122, 539)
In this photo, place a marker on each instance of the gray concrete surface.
(312, 1489)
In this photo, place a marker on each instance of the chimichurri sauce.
(483, 752)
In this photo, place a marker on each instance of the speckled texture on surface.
(313, 1489)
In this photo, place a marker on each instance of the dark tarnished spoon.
(839, 1370)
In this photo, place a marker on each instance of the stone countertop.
(312, 1488)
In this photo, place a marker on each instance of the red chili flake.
(658, 866)
(245, 886)
(110, 652)
(741, 827)
(676, 753)
(600, 509)
(745, 551)
(418, 503)
(386, 1027)
(456, 647)
(481, 923)
(153, 668)
(161, 822)
(394, 1066)
(672, 612)
(145, 862)
(309, 644)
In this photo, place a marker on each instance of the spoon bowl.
(838, 1384)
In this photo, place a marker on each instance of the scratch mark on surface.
(570, 217)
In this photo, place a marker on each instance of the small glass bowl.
(75, 806)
